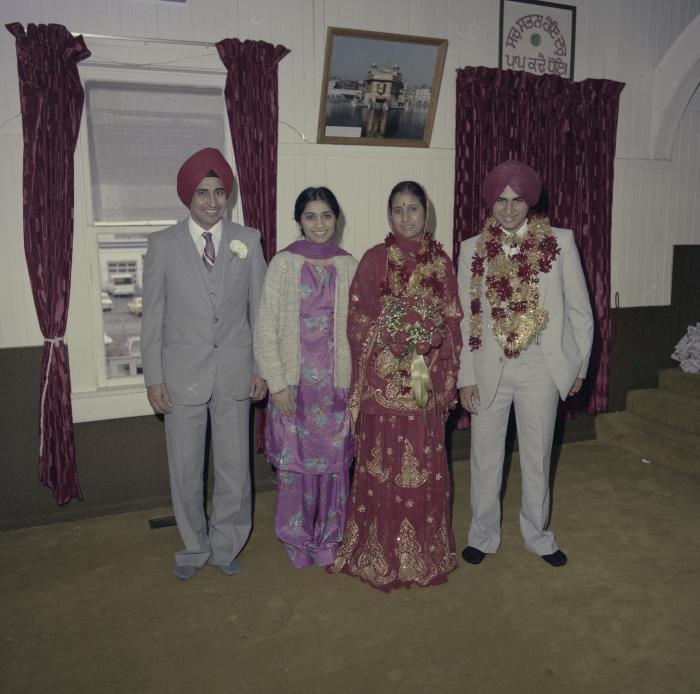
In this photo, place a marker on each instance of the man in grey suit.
(202, 281)
(528, 332)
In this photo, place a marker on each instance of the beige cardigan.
(277, 342)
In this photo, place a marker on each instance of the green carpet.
(93, 606)
(662, 425)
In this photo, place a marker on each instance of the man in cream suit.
(202, 281)
(528, 332)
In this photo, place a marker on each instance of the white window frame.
(94, 397)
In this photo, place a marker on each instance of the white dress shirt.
(196, 232)
(518, 233)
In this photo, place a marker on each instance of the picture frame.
(379, 89)
(537, 37)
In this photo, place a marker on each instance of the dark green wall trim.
(642, 344)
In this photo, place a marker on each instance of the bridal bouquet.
(411, 326)
(687, 351)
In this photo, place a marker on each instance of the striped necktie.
(209, 255)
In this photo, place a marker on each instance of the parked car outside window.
(135, 306)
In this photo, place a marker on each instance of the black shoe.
(472, 555)
(556, 559)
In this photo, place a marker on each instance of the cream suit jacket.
(197, 326)
(566, 341)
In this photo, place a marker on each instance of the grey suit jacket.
(196, 327)
(566, 341)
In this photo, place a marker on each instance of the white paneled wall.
(624, 40)
(656, 203)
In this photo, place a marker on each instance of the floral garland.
(428, 275)
(412, 317)
(511, 284)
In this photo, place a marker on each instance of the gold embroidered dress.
(398, 531)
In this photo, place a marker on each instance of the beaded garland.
(511, 284)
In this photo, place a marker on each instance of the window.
(138, 127)
(139, 135)
(148, 106)
(118, 268)
(120, 258)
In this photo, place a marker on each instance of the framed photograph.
(379, 89)
(537, 37)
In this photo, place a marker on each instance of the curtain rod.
(144, 39)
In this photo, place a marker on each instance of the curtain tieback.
(54, 342)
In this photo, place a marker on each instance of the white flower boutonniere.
(238, 248)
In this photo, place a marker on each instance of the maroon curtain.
(251, 103)
(51, 99)
(566, 131)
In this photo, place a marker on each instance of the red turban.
(197, 167)
(520, 177)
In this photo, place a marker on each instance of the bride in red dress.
(405, 339)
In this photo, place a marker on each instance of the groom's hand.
(469, 398)
(159, 398)
(576, 387)
(258, 388)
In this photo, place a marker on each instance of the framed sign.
(379, 89)
(537, 37)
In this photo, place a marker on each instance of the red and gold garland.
(511, 284)
(428, 277)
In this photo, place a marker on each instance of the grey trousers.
(230, 522)
(527, 384)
